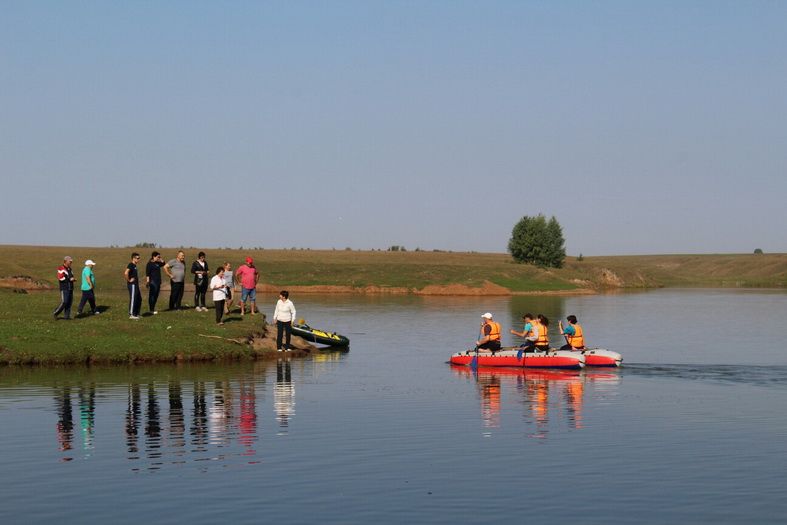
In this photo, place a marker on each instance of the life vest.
(543, 337)
(494, 333)
(577, 340)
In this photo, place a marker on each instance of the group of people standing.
(535, 332)
(222, 285)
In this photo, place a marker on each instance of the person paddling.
(490, 334)
(541, 327)
(575, 336)
(528, 332)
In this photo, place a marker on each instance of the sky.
(643, 127)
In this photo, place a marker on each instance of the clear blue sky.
(655, 127)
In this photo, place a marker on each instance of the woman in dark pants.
(219, 289)
(200, 270)
(284, 315)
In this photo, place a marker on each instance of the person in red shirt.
(248, 276)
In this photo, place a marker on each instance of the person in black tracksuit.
(153, 279)
(132, 281)
(201, 277)
(65, 278)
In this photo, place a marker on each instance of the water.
(692, 429)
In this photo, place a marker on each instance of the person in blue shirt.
(528, 332)
(88, 288)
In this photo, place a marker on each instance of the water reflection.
(284, 395)
(179, 420)
(549, 397)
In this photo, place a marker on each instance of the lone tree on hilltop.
(534, 240)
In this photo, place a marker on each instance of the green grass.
(29, 334)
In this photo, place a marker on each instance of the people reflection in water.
(541, 392)
(283, 395)
(177, 425)
(247, 426)
(133, 413)
(221, 413)
(199, 418)
(65, 421)
(152, 425)
(489, 388)
(87, 414)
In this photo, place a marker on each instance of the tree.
(534, 240)
(758, 251)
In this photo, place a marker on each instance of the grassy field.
(28, 334)
(413, 271)
(288, 268)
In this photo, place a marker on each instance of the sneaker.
(288, 350)
(96, 312)
(134, 317)
(155, 312)
(278, 349)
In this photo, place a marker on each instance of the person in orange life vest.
(490, 334)
(542, 338)
(575, 336)
(528, 333)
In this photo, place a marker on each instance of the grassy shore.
(28, 334)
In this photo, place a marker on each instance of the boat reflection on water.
(543, 392)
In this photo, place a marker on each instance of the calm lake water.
(692, 429)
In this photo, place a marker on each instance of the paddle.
(474, 360)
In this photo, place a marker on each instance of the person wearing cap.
(249, 277)
(176, 271)
(575, 336)
(88, 288)
(65, 278)
(490, 334)
(529, 332)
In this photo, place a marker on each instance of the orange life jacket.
(578, 339)
(543, 337)
(494, 333)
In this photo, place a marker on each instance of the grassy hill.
(415, 271)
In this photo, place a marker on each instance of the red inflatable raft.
(556, 359)
(601, 357)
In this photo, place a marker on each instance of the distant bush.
(758, 251)
(534, 240)
(580, 258)
(146, 245)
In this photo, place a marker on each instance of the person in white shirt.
(284, 315)
(219, 289)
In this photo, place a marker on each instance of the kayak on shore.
(319, 336)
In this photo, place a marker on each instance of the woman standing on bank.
(201, 274)
(284, 315)
(219, 288)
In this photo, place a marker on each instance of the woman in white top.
(219, 288)
(284, 315)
